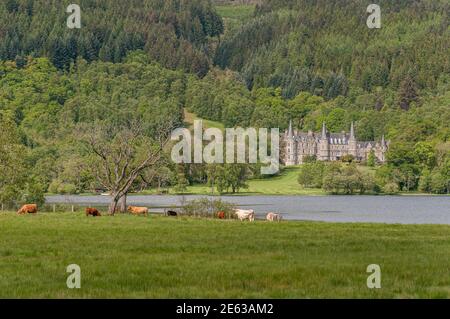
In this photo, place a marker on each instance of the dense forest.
(147, 61)
(325, 48)
(173, 32)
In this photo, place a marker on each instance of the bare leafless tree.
(120, 154)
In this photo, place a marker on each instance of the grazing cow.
(138, 210)
(28, 209)
(221, 215)
(172, 213)
(92, 212)
(243, 214)
(272, 217)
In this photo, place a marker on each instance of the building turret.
(291, 149)
(324, 145)
(352, 144)
(384, 148)
(324, 130)
(290, 131)
(352, 131)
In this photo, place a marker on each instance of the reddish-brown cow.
(92, 212)
(28, 209)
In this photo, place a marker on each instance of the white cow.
(271, 217)
(243, 214)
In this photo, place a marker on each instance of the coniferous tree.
(407, 93)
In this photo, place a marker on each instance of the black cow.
(172, 213)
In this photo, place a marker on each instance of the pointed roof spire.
(352, 131)
(324, 130)
(290, 132)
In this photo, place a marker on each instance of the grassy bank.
(284, 184)
(157, 257)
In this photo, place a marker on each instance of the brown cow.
(221, 215)
(138, 210)
(92, 212)
(28, 209)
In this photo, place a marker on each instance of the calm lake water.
(376, 209)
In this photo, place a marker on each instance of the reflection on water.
(382, 209)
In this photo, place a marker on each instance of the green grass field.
(158, 257)
(235, 15)
(284, 184)
(189, 119)
(240, 12)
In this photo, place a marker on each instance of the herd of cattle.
(241, 214)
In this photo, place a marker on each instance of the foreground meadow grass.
(158, 257)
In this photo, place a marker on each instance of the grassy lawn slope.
(284, 184)
(234, 15)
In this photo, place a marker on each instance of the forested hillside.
(42, 111)
(324, 47)
(311, 61)
(173, 32)
(272, 62)
(316, 61)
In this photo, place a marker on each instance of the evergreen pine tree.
(407, 93)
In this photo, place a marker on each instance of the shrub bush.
(391, 188)
(205, 207)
